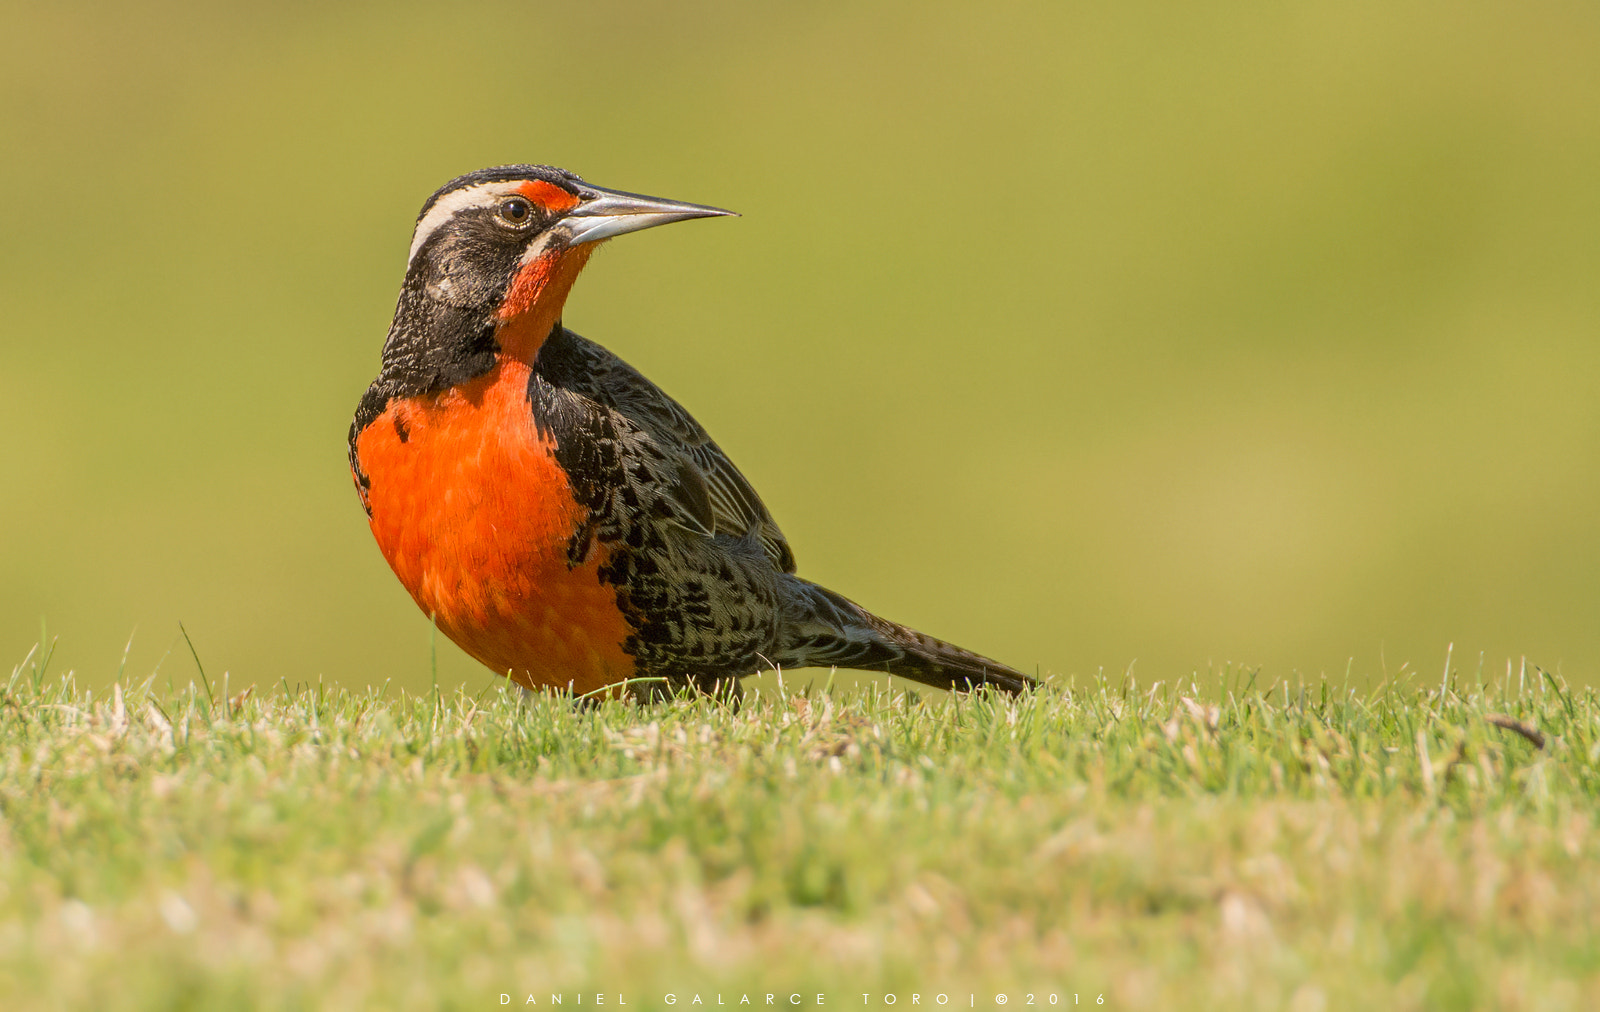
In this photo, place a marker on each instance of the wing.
(709, 489)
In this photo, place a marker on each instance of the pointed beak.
(606, 213)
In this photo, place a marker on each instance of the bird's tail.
(824, 629)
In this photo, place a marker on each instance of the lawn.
(1426, 844)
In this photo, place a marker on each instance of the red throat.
(534, 302)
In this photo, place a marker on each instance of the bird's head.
(504, 245)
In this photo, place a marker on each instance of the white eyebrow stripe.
(447, 206)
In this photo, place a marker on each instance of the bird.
(555, 513)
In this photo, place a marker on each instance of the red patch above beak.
(548, 196)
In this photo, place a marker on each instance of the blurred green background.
(1078, 334)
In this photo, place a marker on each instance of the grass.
(1225, 846)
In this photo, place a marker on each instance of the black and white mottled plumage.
(701, 569)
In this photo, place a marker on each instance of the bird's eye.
(516, 212)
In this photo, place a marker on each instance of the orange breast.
(475, 516)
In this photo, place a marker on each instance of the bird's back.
(729, 503)
(698, 564)
(704, 567)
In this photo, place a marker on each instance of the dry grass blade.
(1534, 736)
